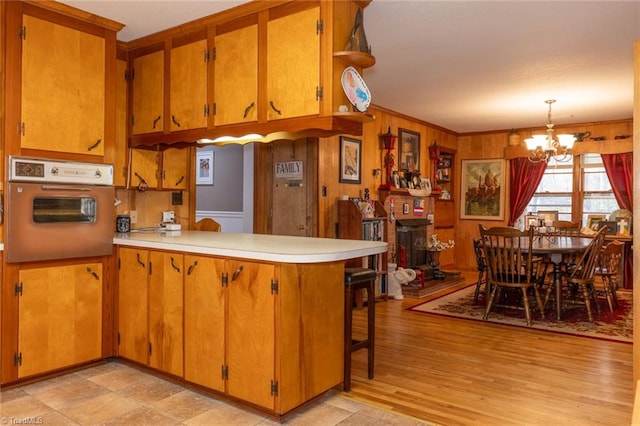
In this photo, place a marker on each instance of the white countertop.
(274, 248)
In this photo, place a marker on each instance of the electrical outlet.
(133, 214)
(176, 198)
(168, 216)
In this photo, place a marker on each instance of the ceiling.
(468, 66)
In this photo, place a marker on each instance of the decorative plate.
(355, 89)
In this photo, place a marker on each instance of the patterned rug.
(617, 325)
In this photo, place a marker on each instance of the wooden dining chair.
(508, 253)
(567, 228)
(608, 269)
(578, 282)
(481, 266)
(207, 224)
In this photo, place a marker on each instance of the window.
(575, 189)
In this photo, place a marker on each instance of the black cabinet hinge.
(20, 128)
(225, 279)
(206, 55)
(319, 93)
(319, 26)
(214, 53)
(150, 349)
(215, 108)
(206, 110)
(274, 388)
(274, 286)
(17, 359)
(22, 32)
(225, 372)
(18, 289)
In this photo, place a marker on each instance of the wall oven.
(58, 209)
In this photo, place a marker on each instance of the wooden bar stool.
(356, 279)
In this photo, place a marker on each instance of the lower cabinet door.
(166, 312)
(204, 321)
(60, 317)
(251, 328)
(133, 336)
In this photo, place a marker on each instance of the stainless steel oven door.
(58, 221)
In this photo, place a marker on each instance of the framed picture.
(529, 221)
(483, 189)
(204, 168)
(409, 150)
(350, 160)
(425, 183)
(623, 226)
(548, 216)
(593, 221)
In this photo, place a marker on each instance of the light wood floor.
(460, 372)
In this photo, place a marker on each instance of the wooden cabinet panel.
(204, 321)
(60, 317)
(251, 328)
(174, 168)
(144, 167)
(148, 93)
(121, 148)
(166, 311)
(236, 76)
(132, 304)
(293, 65)
(63, 88)
(188, 86)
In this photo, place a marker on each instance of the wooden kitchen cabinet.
(60, 317)
(188, 86)
(293, 65)
(150, 320)
(144, 167)
(160, 170)
(175, 165)
(166, 311)
(63, 89)
(147, 79)
(251, 318)
(236, 75)
(133, 334)
(204, 321)
(233, 296)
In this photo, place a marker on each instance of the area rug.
(616, 326)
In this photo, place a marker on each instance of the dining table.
(554, 248)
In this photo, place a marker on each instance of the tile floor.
(116, 394)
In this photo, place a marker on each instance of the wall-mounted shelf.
(360, 117)
(360, 59)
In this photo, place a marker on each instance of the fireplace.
(411, 238)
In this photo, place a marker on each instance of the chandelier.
(543, 147)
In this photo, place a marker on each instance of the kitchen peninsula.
(257, 319)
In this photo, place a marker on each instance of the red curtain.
(525, 177)
(619, 168)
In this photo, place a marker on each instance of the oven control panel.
(23, 169)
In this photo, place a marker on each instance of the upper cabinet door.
(188, 85)
(63, 89)
(236, 76)
(175, 163)
(148, 93)
(293, 65)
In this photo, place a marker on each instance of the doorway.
(293, 182)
